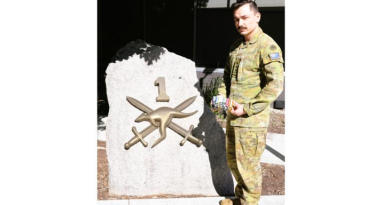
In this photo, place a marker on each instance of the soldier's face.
(246, 20)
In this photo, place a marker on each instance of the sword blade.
(138, 105)
(181, 131)
(185, 104)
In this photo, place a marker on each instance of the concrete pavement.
(265, 200)
(274, 152)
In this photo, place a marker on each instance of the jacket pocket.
(250, 71)
(232, 61)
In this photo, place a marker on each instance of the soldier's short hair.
(239, 3)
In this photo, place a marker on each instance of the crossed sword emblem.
(160, 119)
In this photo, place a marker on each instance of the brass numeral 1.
(162, 96)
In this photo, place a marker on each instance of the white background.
(337, 104)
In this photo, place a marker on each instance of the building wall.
(215, 32)
(202, 34)
(260, 3)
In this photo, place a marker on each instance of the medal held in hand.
(229, 104)
(220, 104)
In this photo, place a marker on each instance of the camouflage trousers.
(244, 147)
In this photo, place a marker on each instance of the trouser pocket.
(252, 141)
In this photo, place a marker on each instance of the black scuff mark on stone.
(150, 53)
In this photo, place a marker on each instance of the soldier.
(253, 78)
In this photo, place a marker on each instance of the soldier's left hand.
(237, 109)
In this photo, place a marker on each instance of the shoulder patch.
(272, 47)
(274, 56)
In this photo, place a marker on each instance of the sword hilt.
(145, 144)
(187, 135)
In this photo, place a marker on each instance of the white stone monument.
(168, 168)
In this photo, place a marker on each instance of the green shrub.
(211, 90)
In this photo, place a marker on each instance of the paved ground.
(265, 200)
(274, 152)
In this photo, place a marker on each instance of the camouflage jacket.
(253, 77)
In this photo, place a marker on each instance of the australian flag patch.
(274, 56)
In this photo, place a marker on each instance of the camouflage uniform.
(253, 77)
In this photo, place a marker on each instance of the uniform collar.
(255, 36)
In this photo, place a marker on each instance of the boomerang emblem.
(160, 119)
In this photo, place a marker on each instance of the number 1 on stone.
(162, 96)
